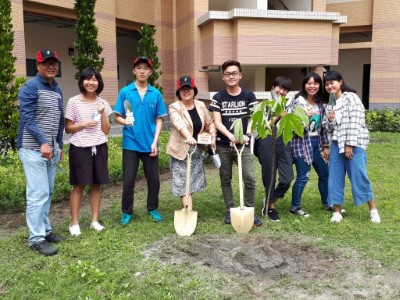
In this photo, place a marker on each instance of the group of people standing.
(334, 143)
(140, 109)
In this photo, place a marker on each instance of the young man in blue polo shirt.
(140, 137)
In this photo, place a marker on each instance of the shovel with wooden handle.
(242, 217)
(185, 220)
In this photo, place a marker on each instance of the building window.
(31, 68)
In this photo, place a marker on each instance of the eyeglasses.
(232, 74)
(48, 64)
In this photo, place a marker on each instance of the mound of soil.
(289, 268)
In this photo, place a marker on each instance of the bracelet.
(325, 146)
(249, 135)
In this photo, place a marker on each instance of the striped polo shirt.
(41, 115)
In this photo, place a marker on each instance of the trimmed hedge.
(13, 184)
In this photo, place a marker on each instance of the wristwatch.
(249, 135)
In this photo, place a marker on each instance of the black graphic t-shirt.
(231, 109)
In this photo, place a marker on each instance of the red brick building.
(360, 38)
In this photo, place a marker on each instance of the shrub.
(387, 120)
(86, 42)
(12, 184)
(9, 85)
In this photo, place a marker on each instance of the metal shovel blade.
(185, 221)
(127, 106)
(242, 219)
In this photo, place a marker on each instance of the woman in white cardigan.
(188, 118)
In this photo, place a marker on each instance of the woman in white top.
(349, 140)
(313, 148)
(87, 120)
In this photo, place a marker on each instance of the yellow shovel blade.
(185, 221)
(242, 220)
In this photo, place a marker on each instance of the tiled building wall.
(165, 25)
(188, 42)
(385, 60)
(202, 78)
(359, 12)
(17, 16)
(137, 10)
(319, 5)
(105, 21)
(161, 14)
(258, 41)
(217, 42)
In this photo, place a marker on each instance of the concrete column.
(319, 70)
(385, 52)
(260, 79)
(318, 5)
(262, 4)
(105, 21)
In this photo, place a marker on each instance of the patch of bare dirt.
(280, 267)
(12, 221)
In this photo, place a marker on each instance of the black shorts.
(85, 168)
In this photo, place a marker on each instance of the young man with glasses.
(140, 137)
(227, 106)
(40, 143)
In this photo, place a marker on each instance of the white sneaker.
(374, 216)
(75, 230)
(336, 217)
(96, 226)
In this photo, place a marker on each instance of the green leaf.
(237, 127)
(301, 113)
(287, 136)
(332, 99)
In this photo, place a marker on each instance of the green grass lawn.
(111, 264)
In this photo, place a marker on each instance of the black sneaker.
(328, 207)
(44, 248)
(274, 215)
(264, 207)
(228, 217)
(257, 221)
(52, 238)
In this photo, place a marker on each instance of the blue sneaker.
(257, 221)
(228, 217)
(156, 215)
(126, 218)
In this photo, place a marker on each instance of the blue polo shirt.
(140, 136)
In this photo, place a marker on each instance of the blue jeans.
(303, 174)
(40, 174)
(356, 169)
